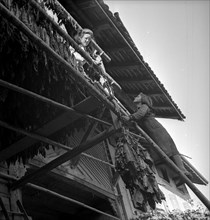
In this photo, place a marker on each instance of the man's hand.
(97, 60)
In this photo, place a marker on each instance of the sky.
(173, 38)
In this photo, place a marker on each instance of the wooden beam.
(151, 94)
(71, 5)
(141, 82)
(65, 157)
(47, 191)
(49, 141)
(50, 128)
(101, 26)
(125, 66)
(89, 130)
(75, 74)
(172, 165)
(4, 210)
(22, 209)
(164, 108)
(48, 101)
(116, 48)
(116, 23)
(42, 189)
(63, 33)
(69, 180)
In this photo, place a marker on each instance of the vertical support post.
(20, 206)
(203, 199)
(65, 157)
(4, 209)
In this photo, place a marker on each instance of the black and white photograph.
(104, 109)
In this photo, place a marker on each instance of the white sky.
(173, 38)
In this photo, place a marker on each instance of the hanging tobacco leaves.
(134, 165)
(26, 65)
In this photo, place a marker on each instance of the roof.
(196, 176)
(127, 65)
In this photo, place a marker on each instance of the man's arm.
(140, 113)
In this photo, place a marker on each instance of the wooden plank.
(42, 189)
(65, 157)
(48, 101)
(4, 210)
(172, 165)
(48, 129)
(22, 209)
(88, 132)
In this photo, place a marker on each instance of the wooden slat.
(65, 157)
(120, 66)
(22, 209)
(48, 129)
(136, 81)
(70, 200)
(4, 210)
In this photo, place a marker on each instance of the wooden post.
(89, 130)
(20, 206)
(75, 74)
(4, 210)
(48, 141)
(204, 200)
(47, 191)
(65, 157)
(69, 19)
(42, 189)
(49, 101)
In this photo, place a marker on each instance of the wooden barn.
(60, 130)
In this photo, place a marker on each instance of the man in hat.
(145, 118)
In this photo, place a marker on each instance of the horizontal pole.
(204, 200)
(65, 157)
(75, 45)
(42, 189)
(22, 27)
(65, 13)
(49, 101)
(49, 141)
(67, 37)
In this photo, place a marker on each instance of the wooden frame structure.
(114, 105)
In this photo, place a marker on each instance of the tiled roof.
(127, 65)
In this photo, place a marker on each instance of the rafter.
(116, 66)
(115, 48)
(81, 14)
(162, 107)
(139, 81)
(151, 94)
(101, 26)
